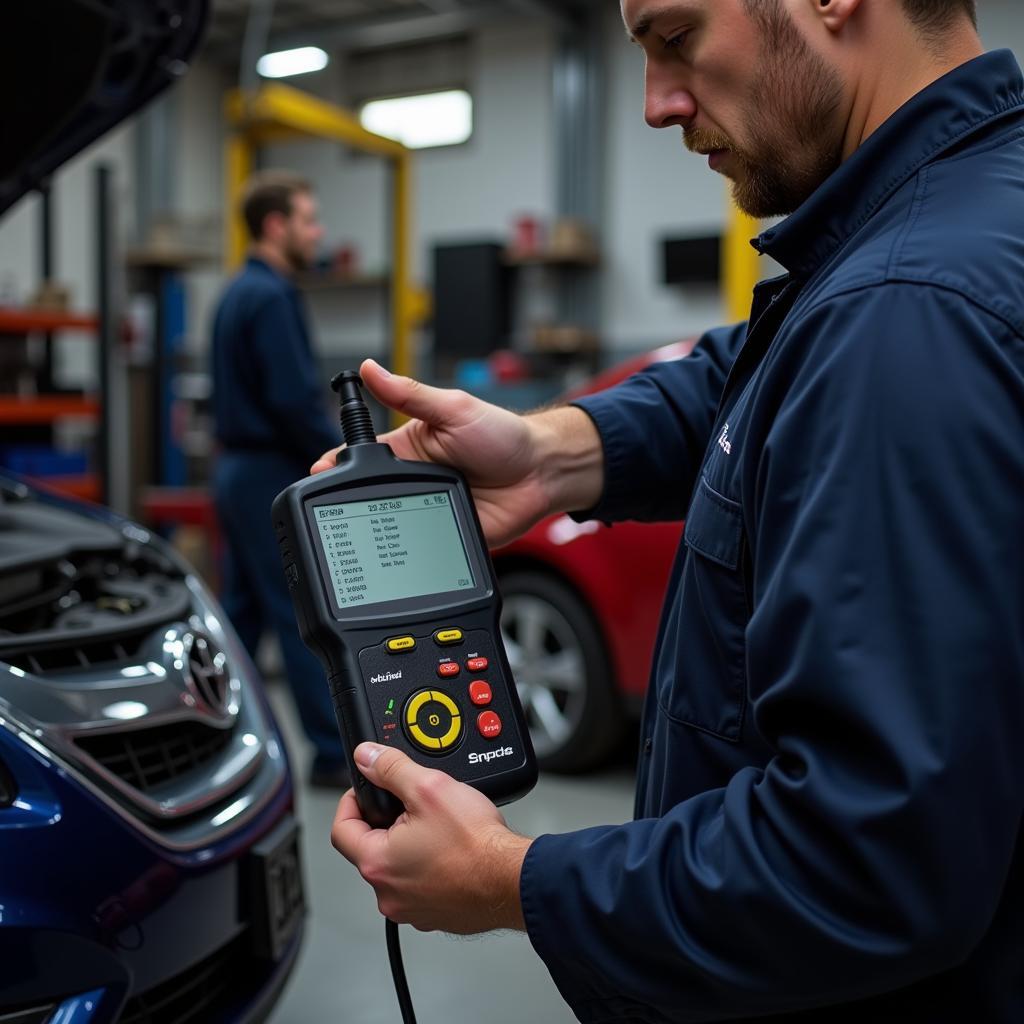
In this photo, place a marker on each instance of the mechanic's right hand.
(498, 451)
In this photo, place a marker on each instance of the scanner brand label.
(490, 755)
(385, 677)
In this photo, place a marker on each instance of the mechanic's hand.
(449, 863)
(497, 450)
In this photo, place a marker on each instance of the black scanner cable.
(398, 973)
(357, 428)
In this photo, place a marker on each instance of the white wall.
(471, 191)
(201, 130)
(1001, 23)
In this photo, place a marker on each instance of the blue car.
(149, 859)
(149, 862)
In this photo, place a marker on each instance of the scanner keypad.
(420, 698)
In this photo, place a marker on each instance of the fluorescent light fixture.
(286, 63)
(419, 122)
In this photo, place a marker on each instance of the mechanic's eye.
(676, 41)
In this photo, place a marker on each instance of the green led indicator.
(391, 707)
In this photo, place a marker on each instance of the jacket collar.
(939, 117)
(255, 263)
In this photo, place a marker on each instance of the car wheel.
(561, 670)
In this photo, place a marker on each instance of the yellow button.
(413, 709)
(425, 741)
(448, 636)
(442, 698)
(401, 643)
(452, 735)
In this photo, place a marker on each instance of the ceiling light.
(429, 119)
(286, 63)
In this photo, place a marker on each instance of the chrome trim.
(159, 688)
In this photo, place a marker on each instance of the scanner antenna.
(356, 425)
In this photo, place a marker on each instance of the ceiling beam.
(551, 11)
(376, 33)
(449, 18)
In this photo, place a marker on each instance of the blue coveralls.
(831, 783)
(270, 420)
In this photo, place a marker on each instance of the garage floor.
(343, 976)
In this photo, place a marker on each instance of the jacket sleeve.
(291, 391)
(654, 428)
(885, 663)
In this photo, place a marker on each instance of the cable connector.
(356, 424)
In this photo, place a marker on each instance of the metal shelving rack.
(47, 407)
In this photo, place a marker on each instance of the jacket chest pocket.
(701, 670)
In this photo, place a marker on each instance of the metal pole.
(257, 32)
(46, 271)
(106, 339)
(578, 85)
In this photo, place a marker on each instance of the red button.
(477, 664)
(480, 692)
(489, 725)
(448, 668)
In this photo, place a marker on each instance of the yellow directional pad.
(433, 720)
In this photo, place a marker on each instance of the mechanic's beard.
(795, 139)
(296, 258)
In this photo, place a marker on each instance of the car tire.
(562, 671)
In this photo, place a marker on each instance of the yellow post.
(278, 112)
(741, 264)
(238, 163)
(401, 300)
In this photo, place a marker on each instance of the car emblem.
(207, 673)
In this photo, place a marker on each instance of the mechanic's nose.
(666, 102)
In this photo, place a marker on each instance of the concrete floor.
(343, 977)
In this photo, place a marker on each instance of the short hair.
(270, 192)
(931, 17)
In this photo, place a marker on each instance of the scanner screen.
(391, 549)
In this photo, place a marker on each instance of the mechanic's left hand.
(449, 863)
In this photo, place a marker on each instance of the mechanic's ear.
(834, 14)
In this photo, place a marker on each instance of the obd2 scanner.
(394, 591)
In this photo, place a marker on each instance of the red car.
(581, 608)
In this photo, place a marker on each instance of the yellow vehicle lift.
(277, 113)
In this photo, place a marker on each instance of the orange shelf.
(86, 486)
(22, 321)
(46, 409)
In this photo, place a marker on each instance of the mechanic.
(270, 420)
(831, 778)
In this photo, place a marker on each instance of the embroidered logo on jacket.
(723, 440)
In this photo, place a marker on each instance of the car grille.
(146, 758)
(82, 655)
(197, 994)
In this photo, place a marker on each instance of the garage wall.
(74, 242)
(654, 188)
(463, 192)
(200, 188)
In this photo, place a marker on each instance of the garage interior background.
(546, 145)
(538, 148)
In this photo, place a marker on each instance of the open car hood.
(70, 70)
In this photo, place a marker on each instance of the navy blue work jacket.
(830, 793)
(267, 393)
